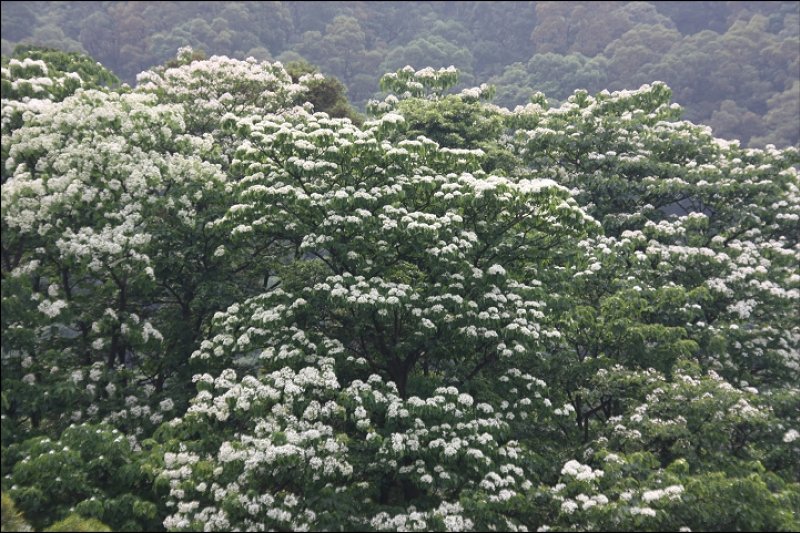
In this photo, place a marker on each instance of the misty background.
(734, 66)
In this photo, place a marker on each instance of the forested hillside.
(225, 309)
(732, 65)
(231, 300)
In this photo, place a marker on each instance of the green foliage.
(75, 522)
(632, 493)
(326, 94)
(433, 50)
(553, 74)
(90, 469)
(10, 518)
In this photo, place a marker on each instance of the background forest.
(731, 65)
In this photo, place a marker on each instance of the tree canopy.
(228, 302)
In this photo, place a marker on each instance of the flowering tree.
(699, 253)
(408, 286)
(450, 317)
(686, 448)
(107, 283)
